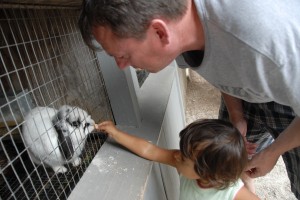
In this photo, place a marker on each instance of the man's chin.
(153, 70)
(149, 70)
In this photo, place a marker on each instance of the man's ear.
(161, 30)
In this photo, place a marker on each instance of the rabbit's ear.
(63, 136)
(65, 145)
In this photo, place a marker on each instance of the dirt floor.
(203, 102)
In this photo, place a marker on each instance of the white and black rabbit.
(56, 137)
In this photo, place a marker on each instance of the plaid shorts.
(265, 122)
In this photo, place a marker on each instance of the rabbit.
(56, 137)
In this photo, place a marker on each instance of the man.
(249, 50)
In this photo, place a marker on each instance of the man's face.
(148, 53)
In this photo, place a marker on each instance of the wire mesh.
(44, 62)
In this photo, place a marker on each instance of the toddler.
(211, 159)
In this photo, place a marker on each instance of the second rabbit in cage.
(56, 137)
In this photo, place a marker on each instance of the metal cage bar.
(45, 64)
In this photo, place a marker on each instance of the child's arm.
(138, 145)
(245, 194)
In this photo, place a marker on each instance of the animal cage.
(44, 64)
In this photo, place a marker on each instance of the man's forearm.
(288, 139)
(234, 106)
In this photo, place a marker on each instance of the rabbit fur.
(56, 137)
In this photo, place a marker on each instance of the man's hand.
(261, 163)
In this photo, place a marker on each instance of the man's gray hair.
(126, 18)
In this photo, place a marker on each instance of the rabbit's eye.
(76, 123)
(86, 125)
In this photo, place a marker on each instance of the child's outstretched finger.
(104, 123)
(100, 125)
(96, 126)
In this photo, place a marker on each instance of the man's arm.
(263, 162)
(236, 113)
(236, 116)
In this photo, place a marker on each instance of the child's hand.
(108, 127)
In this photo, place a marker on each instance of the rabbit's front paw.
(76, 162)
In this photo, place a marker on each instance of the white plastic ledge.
(115, 173)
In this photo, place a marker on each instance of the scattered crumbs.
(106, 165)
(111, 158)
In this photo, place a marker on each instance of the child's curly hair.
(218, 150)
